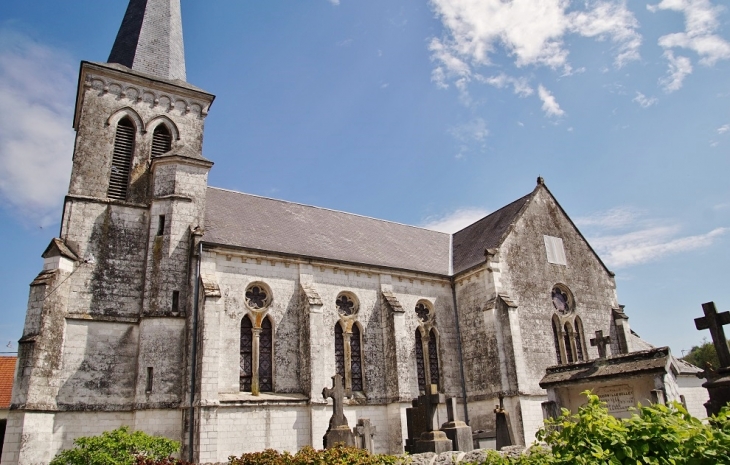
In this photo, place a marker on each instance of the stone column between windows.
(346, 337)
(426, 359)
(255, 362)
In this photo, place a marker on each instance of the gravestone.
(718, 388)
(432, 440)
(365, 432)
(458, 431)
(415, 423)
(601, 342)
(338, 432)
(504, 427)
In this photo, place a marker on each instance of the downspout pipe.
(194, 363)
(458, 348)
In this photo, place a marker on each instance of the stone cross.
(431, 402)
(338, 394)
(714, 322)
(365, 431)
(601, 342)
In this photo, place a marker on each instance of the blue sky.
(430, 113)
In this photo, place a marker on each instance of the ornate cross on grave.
(714, 322)
(601, 342)
(338, 394)
(365, 432)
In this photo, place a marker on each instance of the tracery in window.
(348, 363)
(339, 351)
(246, 365)
(567, 336)
(579, 343)
(161, 140)
(346, 304)
(121, 159)
(556, 339)
(258, 296)
(561, 301)
(423, 311)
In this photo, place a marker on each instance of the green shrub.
(118, 447)
(309, 456)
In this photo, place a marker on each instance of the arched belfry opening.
(161, 140)
(121, 159)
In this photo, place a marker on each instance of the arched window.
(356, 359)
(121, 159)
(161, 140)
(266, 349)
(567, 336)
(579, 341)
(246, 354)
(339, 351)
(556, 339)
(420, 367)
(433, 358)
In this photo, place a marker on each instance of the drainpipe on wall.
(458, 348)
(193, 370)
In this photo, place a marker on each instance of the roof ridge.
(329, 209)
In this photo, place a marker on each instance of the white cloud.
(36, 139)
(644, 101)
(335, 2)
(679, 68)
(549, 104)
(531, 31)
(520, 85)
(456, 220)
(723, 129)
(622, 237)
(475, 130)
(701, 23)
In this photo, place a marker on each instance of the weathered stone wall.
(529, 279)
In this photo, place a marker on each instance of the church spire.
(150, 39)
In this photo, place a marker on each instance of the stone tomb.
(623, 381)
(458, 431)
(422, 435)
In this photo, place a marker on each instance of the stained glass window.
(345, 305)
(579, 339)
(355, 359)
(266, 349)
(567, 333)
(420, 369)
(339, 351)
(560, 301)
(556, 339)
(422, 311)
(433, 358)
(246, 367)
(257, 297)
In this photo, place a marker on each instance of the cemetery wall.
(694, 394)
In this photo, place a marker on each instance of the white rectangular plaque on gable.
(555, 250)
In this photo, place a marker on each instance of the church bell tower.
(107, 320)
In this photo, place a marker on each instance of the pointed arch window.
(246, 354)
(420, 365)
(579, 339)
(567, 338)
(161, 140)
(348, 356)
(433, 358)
(121, 159)
(556, 339)
(256, 356)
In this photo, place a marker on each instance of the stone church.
(216, 317)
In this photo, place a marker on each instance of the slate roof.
(7, 373)
(647, 361)
(258, 223)
(487, 233)
(150, 39)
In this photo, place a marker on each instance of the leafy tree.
(118, 447)
(703, 355)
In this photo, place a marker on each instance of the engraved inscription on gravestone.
(618, 398)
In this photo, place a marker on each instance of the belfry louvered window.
(161, 140)
(121, 160)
